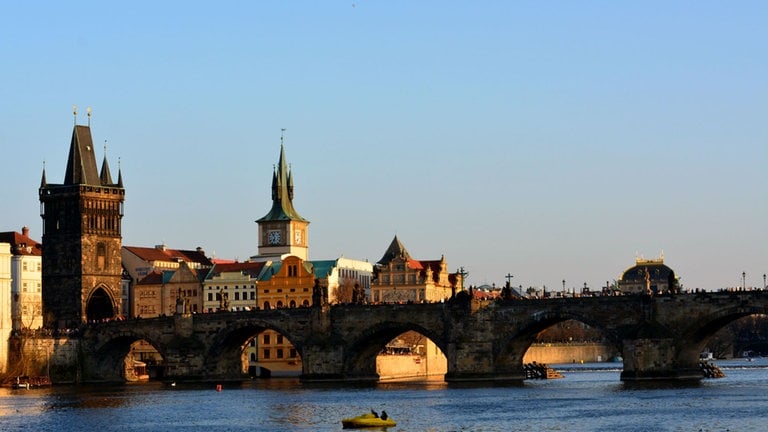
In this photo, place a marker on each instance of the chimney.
(25, 231)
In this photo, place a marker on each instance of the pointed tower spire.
(290, 183)
(81, 164)
(43, 182)
(105, 176)
(282, 190)
(119, 174)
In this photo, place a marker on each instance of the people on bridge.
(375, 414)
(384, 415)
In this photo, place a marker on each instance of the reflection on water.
(590, 397)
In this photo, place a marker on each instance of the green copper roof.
(282, 194)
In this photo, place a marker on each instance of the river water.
(589, 398)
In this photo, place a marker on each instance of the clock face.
(274, 237)
(297, 235)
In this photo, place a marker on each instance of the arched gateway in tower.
(81, 239)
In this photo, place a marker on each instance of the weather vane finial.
(88, 110)
(74, 112)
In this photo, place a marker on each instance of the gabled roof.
(395, 250)
(21, 244)
(165, 254)
(156, 278)
(253, 269)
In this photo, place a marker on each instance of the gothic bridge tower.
(82, 238)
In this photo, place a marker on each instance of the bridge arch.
(108, 362)
(227, 351)
(700, 331)
(359, 361)
(511, 346)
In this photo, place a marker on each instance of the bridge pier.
(657, 359)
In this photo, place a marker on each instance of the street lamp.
(744, 281)
(764, 286)
(563, 288)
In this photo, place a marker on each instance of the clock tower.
(283, 231)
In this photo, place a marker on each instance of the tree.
(345, 291)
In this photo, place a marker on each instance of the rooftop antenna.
(105, 141)
(282, 136)
(74, 112)
(88, 110)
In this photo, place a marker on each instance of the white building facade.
(27, 275)
(5, 304)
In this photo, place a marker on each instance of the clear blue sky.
(550, 140)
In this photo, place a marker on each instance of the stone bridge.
(660, 337)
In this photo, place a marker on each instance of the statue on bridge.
(223, 299)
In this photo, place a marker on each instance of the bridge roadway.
(660, 337)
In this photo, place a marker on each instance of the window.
(253, 295)
(280, 353)
(210, 296)
(237, 295)
(266, 354)
(265, 339)
(279, 339)
(293, 353)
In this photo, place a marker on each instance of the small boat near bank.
(368, 420)
(28, 382)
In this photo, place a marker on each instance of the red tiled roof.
(154, 278)
(157, 254)
(21, 244)
(253, 268)
(415, 264)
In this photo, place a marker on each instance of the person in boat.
(384, 415)
(375, 414)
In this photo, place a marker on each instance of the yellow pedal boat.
(367, 421)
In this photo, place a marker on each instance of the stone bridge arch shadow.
(695, 337)
(107, 361)
(359, 360)
(226, 357)
(511, 344)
